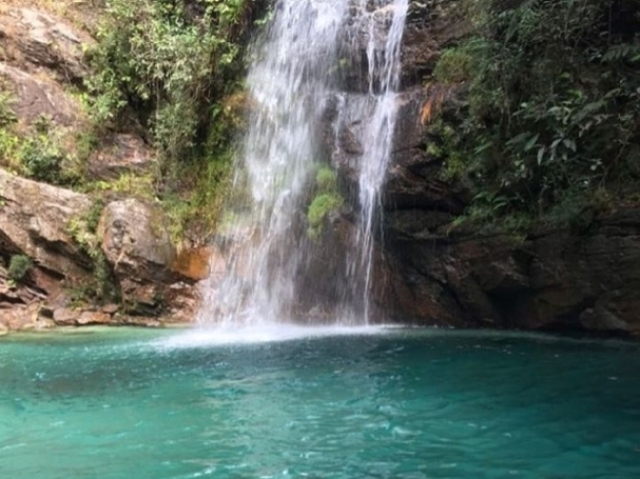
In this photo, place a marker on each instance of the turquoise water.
(398, 404)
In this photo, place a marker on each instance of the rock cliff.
(58, 246)
(119, 254)
(565, 277)
(70, 258)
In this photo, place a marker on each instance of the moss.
(326, 179)
(320, 207)
(134, 185)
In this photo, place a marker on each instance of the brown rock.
(145, 322)
(35, 98)
(110, 308)
(66, 316)
(194, 263)
(35, 219)
(93, 317)
(183, 301)
(20, 318)
(118, 154)
(135, 241)
(33, 40)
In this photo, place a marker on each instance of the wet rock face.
(556, 281)
(427, 273)
(432, 26)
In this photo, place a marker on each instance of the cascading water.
(383, 55)
(295, 78)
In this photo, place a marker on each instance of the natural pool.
(140, 404)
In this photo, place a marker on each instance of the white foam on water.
(227, 334)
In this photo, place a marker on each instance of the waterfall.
(297, 76)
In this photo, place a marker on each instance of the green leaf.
(532, 142)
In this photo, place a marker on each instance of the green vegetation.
(83, 230)
(37, 151)
(19, 266)
(326, 201)
(41, 158)
(175, 69)
(549, 126)
(7, 116)
(170, 71)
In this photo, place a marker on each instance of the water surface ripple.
(394, 404)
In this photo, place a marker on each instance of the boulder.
(21, 318)
(35, 219)
(135, 241)
(182, 303)
(66, 316)
(196, 263)
(119, 153)
(137, 245)
(33, 40)
(93, 318)
(34, 98)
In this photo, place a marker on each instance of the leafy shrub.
(169, 64)
(42, 160)
(552, 107)
(176, 69)
(455, 65)
(19, 266)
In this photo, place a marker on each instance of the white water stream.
(295, 76)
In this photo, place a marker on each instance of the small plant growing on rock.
(42, 160)
(19, 266)
(83, 229)
(7, 115)
(321, 206)
(326, 179)
(326, 201)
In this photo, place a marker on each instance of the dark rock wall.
(431, 273)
